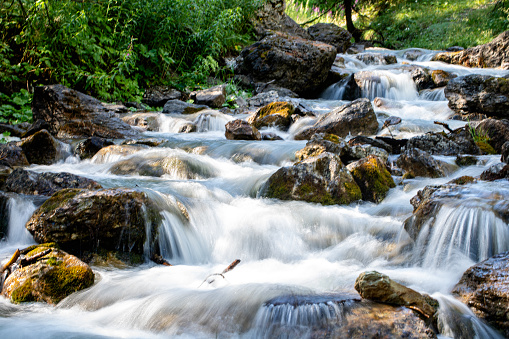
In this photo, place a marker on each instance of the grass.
(303, 13)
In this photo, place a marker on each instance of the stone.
(213, 97)
(376, 58)
(276, 114)
(158, 96)
(372, 177)
(505, 152)
(12, 156)
(363, 140)
(261, 87)
(115, 151)
(4, 215)
(87, 148)
(479, 94)
(331, 34)
(419, 163)
(397, 144)
(298, 64)
(81, 220)
(493, 54)
(321, 143)
(422, 78)
(43, 149)
(263, 99)
(145, 121)
(494, 132)
(50, 279)
(72, 114)
(320, 179)
(13, 130)
(356, 118)
(36, 127)
(241, 130)
(496, 172)
(358, 152)
(271, 136)
(379, 287)
(22, 181)
(483, 288)
(441, 78)
(459, 141)
(181, 107)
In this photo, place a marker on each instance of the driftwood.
(444, 125)
(159, 260)
(32, 259)
(13, 259)
(226, 270)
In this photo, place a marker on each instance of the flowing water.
(286, 248)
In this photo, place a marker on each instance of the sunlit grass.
(305, 13)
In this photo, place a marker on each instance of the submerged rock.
(417, 163)
(50, 279)
(158, 96)
(355, 118)
(89, 147)
(28, 182)
(145, 121)
(496, 172)
(241, 130)
(320, 179)
(274, 114)
(12, 156)
(331, 34)
(298, 64)
(72, 114)
(373, 178)
(81, 220)
(376, 58)
(43, 149)
(483, 287)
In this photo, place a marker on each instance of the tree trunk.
(349, 23)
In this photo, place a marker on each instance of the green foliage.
(16, 108)
(113, 48)
(233, 92)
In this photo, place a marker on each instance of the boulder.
(89, 147)
(43, 149)
(417, 163)
(441, 78)
(181, 107)
(320, 179)
(145, 121)
(37, 126)
(356, 118)
(321, 143)
(483, 287)
(494, 132)
(81, 220)
(271, 17)
(32, 183)
(271, 136)
(263, 99)
(376, 58)
(496, 172)
(116, 151)
(298, 64)
(274, 114)
(422, 78)
(363, 140)
(397, 144)
(72, 114)
(373, 178)
(12, 156)
(379, 287)
(459, 141)
(158, 96)
(213, 97)
(13, 130)
(50, 279)
(331, 34)
(262, 87)
(359, 152)
(505, 152)
(479, 94)
(493, 54)
(241, 130)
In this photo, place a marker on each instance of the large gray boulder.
(356, 118)
(241, 130)
(72, 114)
(297, 64)
(459, 141)
(331, 34)
(43, 149)
(482, 94)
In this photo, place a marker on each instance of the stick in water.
(13, 259)
(226, 270)
(32, 259)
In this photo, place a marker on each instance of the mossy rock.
(50, 279)
(463, 180)
(372, 177)
(274, 114)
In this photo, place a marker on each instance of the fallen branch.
(13, 259)
(444, 125)
(226, 270)
(32, 259)
(159, 260)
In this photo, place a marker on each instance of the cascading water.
(298, 259)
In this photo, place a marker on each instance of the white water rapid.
(287, 249)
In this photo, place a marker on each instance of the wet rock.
(379, 287)
(271, 136)
(158, 96)
(463, 180)
(263, 99)
(12, 156)
(376, 58)
(494, 132)
(181, 107)
(241, 130)
(320, 179)
(298, 64)
(274, 114)
(358, 152)
(37, 126)
(281, 91)
(422, 78)
(4, 214)
(213, 97)
(271, 17)
(151, 142)
(483, 287)
(373, 178)
(441, 78)
(354, 118)
(50, 279)
(396, 144)
(72, 114)
(89, 147)
(417, 163)
(481, 94)
(459, 141)
(28, 182)
(43, 149)
(80, 220)
(363, 140)
(413, 54)
(14, 130)
(187, 127)
(496, 172)
(331, 34)
(145, 121)
(321, 143)
(467, 160)
(105, 154)
(505, 152)
(492, 54)
(454, 49)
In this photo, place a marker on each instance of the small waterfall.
(20, 211)
(460, 233)
(387, 84)
(436, 94)
(212, 121)
(338, 91)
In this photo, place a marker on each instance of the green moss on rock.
(373, 178)
(23, 293)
